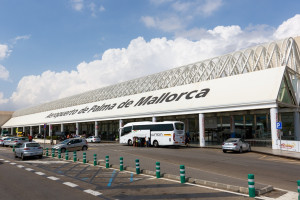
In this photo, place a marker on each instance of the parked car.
(6, 141)
(93, 139)
(236, 144)
(29, 149)
(72, 144)
(2, 140)
(18, 141)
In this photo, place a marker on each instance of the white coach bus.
(157, 133)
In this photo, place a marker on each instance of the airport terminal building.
(242, 94)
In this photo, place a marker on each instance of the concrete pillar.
(77, 128)
(96, 129)
(274, 131)
(153, 119)
(120, 126)
(31, 134)
(23, 129)
(39, 129)
(11, 130)
(201, 130)
(297, 125)
(61, 127)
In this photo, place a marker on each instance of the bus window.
(179, 126)
(126, 130)
(163, 127)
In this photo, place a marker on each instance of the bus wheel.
(129, 143)
(155, 144)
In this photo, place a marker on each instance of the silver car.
(72, 144)
(29, 149)
(93, 139)
(235, 144)
(7, 141)
(18, 141)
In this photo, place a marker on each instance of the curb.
(243, 190)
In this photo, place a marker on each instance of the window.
(179, 126)
(126, 130)
(33, 145)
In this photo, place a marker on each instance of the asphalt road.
(269, 170)
(49, 178)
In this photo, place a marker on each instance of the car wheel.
(224, 151)
(22, 157)
(241, 150)
(129, 143)
(16, 155)
(41, 156)
(155, 144)
(84, 148)
(63, 150)
(249, 149)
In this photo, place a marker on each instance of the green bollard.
(298, 183)
(13, 148)
(251, 185)
(47, 152)
(182, 174)
(84, 158)
(59, 153)
(67, 155)
(137, 166)
(95, 159)
(157, 169)
(107, 161)
(74, 156)
(53, 153)
(121, 164)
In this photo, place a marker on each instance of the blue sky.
(53, 49)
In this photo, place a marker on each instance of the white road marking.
(20, 166)
(13, 163)
(44, 162)
(6, 161)
(40, 173)
(70, 184)
(92, 192)
(1, 159)
(53, 178)
(29, 169)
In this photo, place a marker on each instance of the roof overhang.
(255, 90)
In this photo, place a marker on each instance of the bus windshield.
(179, 126)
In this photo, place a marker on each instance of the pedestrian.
(187, 140)
(30, 138)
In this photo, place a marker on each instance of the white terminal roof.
(215, 74)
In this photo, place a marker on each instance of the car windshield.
(232, 140)
(32, 145)
(65, 141)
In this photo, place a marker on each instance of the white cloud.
(142, 58)
(77, 4)
(289, 28)
(4, 51)
(22, 37)
(210, 6)
(92, 6)
(170, 24)
(4, 73)
(182, 14)
(2, 99)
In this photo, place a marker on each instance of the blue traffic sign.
(278, 125)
